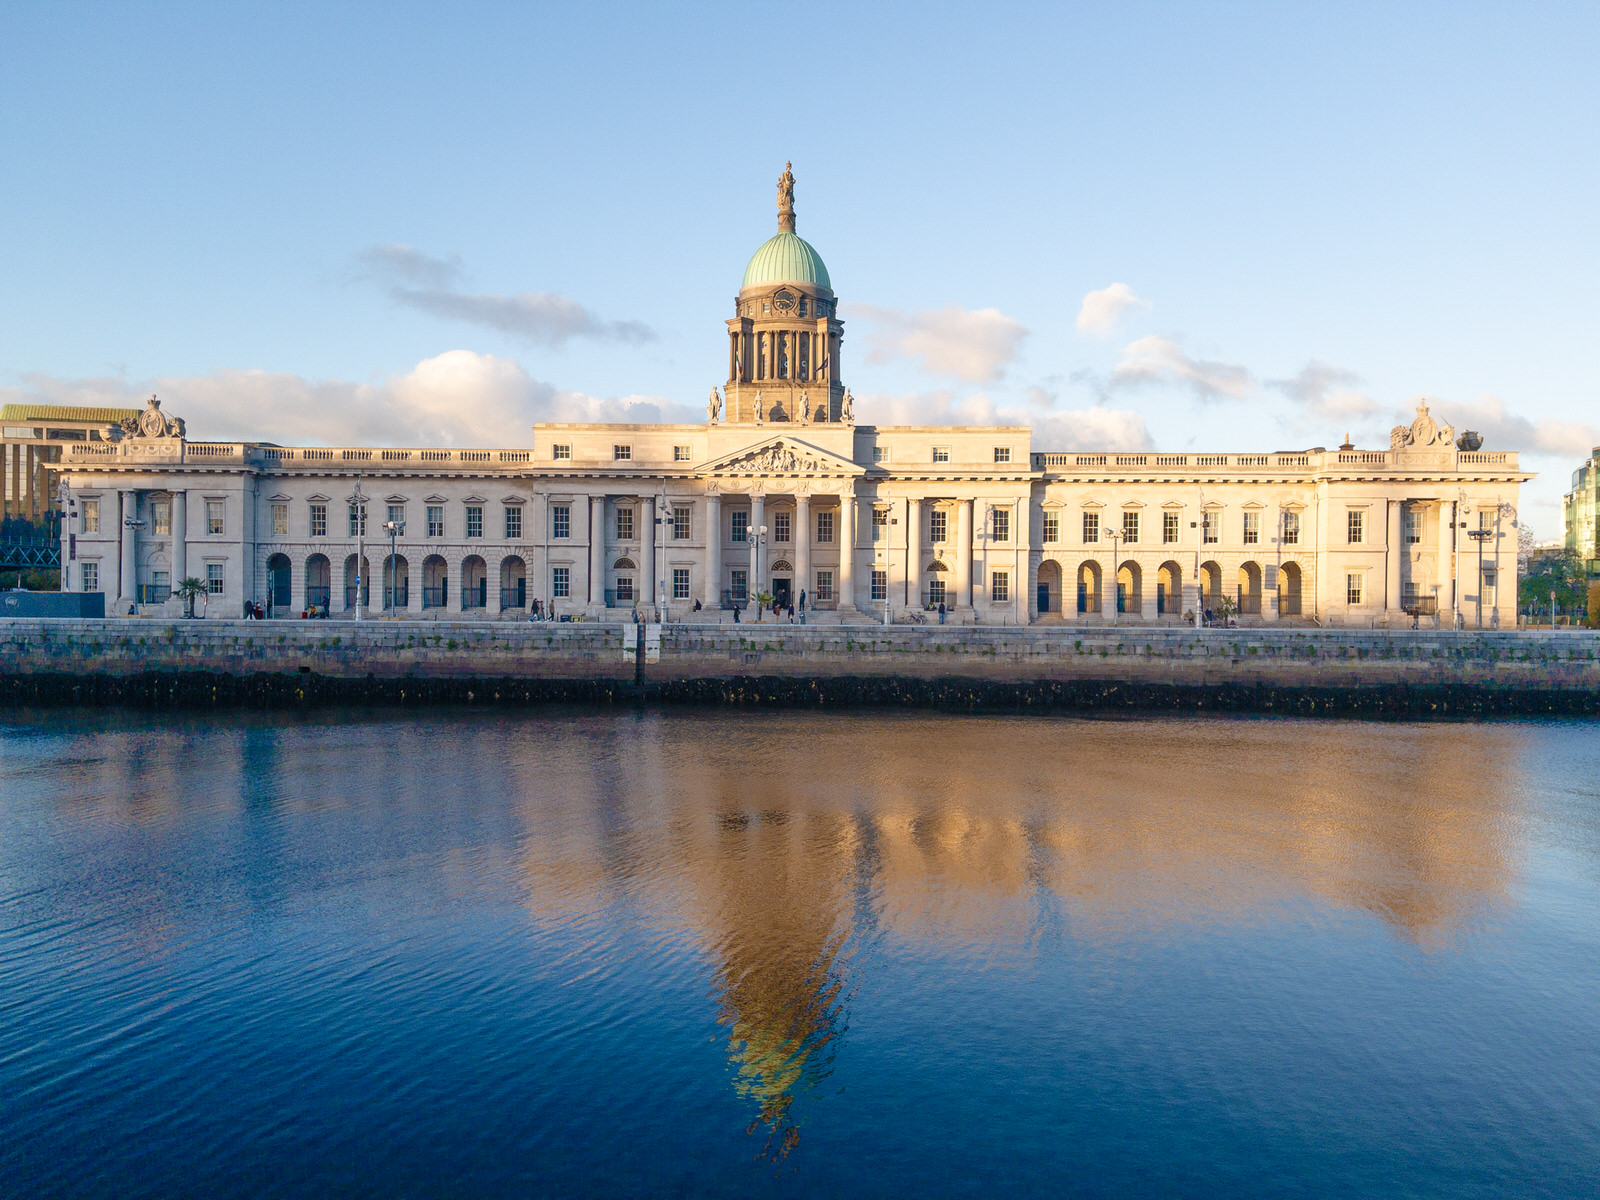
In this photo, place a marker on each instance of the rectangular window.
(621, 453)
(513, 522)
(1352, 589)
(1002, 524)
(213, 516)
(1210, 522)
(1052, 528)
(91, 574)
(358, 519)
(999, 586)
(561, 450)
(624, 524)
(91, 520)
(1252, 528)
(214, 578)
(1169, 528)
(1413, 525)
(1002, 454)
(1130, 527)
(880, 454)
(161, 516)
(561, 582)
(880, 524)
(941, 454)
(683, 454)
(435, 520)
(474, 520)
(319, 520)
(1291, 529)
(680, 583)
(880, 585)
(938, 526)
(396, 514)
(1355, 522)
(280, 520)
(824, 585)
(740, 525)
(739, 585)
(625, 588)
(680, 522)
(780, 526)
(561, 521)
(1091, 528)
(825, 527)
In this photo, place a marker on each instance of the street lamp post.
(660, 534)
(361, 541)
(1116, 571)
(394, 529)
(1480, 536)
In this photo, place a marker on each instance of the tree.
(1560, 572)
(188, 589)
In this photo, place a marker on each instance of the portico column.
(914, 553)
(758, 517)
(647, 546)
(180, 538)
(847, 550)
(597, 551)
(1441, 566)
(125, 569)
(964, 553)
(711, 585)
(802, 548)
(1396, 547)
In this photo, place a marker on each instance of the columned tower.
(783, 342)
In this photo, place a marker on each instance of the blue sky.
(1239, 227)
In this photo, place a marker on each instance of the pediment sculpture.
(777, 459)
(1424, 433)
(152, 423)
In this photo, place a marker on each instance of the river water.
(715, 954)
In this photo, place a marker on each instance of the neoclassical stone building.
(781, 492)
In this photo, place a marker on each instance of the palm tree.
(188, 589)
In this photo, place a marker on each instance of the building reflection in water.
(787, 844)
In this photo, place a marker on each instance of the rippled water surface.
(727, 955)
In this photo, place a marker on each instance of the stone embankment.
(1426, 673)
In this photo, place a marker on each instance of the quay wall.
(1382, 672)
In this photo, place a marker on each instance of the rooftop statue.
(714, 406)
(786, 198)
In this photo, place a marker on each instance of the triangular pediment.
(784, 455)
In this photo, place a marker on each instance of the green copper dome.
(786, 258)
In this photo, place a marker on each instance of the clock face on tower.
(783, 301)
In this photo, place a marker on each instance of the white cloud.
(432, 285)
(458, 398)
(972, 345)
(1097, 428)
(1325, 395)
(1504, 430)
(1156, 360)
(1101, 311)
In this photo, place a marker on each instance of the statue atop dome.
(786, 199)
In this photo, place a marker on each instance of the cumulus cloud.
(433, 285)
(459, 398)
(972, 345)
(1096, 428)
(1101, 311)
(1504, 430)
(1325, 394)
(1157, 360)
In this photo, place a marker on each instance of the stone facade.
(781, 492)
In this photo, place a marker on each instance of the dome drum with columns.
(783, 342)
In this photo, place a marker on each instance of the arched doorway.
(1250, 589)
(782, 584)
(319, 582)
(938, 587)
(279, 598)
(1210, 582)
(1130, 588)
(396, 582)
(1169, 590)
(621, 592)
(350, 579)
(1289, 590)
(1049, 587)
(435, 579)
(513, 583)
(1089, 587)
(474, 583)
